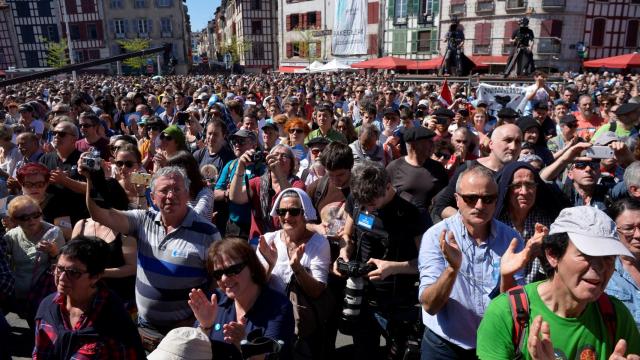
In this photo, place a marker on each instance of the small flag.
(445, 94)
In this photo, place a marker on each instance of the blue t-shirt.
(238, 213)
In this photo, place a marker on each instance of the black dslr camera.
(258, 157)
(354, 268)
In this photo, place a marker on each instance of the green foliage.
(133, 45)
(235, 48)
(56, 55)
(308, 44)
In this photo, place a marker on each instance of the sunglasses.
(230, 271)
(127, 163)
(27, 217)
(291, 211)
(84, 126)
(38, 184)
(166, 137)
(72, 274)
(154, 127)
(583, 164)
(296, 131)
(60, 133)
(472, 199)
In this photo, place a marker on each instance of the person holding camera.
(379, 245)
(260, 192)
(88, 124)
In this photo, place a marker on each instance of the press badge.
(179, 253)
(366, 221)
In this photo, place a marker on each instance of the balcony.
(484, 7)
(514, 5)
(458, 9)
(549, 45)
(553, 4)
(481, 49)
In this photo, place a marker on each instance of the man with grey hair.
(367, 146)
(172, 248)
(464, 261)
(630, 186)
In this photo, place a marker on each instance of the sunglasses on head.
(72, 274)
(166, 137)
(583, 164)
(291, 211)
(230, 271)
(27, 217)
(472, 199)
(127, 163)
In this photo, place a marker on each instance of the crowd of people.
(240, 216)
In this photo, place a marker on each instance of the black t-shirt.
(391, 237)
(218, 159)
(67, 201)
(525, 35)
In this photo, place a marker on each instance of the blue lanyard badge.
(365, 220)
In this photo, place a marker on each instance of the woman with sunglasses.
(32, 247)
(172, 140)
(242, 301)
(84, 319)
(125, 163)
(295, 254)
(298, 131)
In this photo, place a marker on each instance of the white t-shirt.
(541, 95)
(316, 260)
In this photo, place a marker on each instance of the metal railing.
(553, 3)
(506, 48)
(485, 7)
(549, 45)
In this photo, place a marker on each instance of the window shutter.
(83, 31)
(373, 12)
(303, 20)
(434, 42)
(556, 28)
(304, 49)
(288, 23)
(545, 28)
(373, 44)
(318, 20)
(632, 33)
(391, 9)
(414, 42)
(318, 49)
(289, 50)
(509, 28)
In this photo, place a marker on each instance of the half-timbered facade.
(86, 29)
(611, 27)
(8, 40)
(34, 21)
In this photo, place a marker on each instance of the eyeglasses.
(527, 185)
(583, 165)
(165, 192)
(446, 156)
(291, 211)
(230, 271)
(359, 91)
(239, 141)
(472, 199)
(37, 184)
(628, 231)
(27, 217)
(72, 274)
(280, 156)
(127, 163)
(296, 131)
(166, 137)
(59, 133)
(85, 125)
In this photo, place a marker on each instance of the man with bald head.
(588, 119)
(505, 148)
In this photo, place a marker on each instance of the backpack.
(519, 304)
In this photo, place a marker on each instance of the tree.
(133, 45)
(308, 45)
(56, 53)
(236, 47)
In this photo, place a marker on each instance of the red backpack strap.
(519, 303)
(605, 306)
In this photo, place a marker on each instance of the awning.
(289, 69)
(385, 63)
(2, 73)
(430, 64)
(483, 61)
(615, 62)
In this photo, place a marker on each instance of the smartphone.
(598, 152)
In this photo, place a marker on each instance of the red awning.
(483, 61)
(2, 73)
(289, 69)
(385, 63)
(616, 62)
(430, 64)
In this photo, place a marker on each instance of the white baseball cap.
(183, 343)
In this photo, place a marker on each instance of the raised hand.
(268, 251)
(204, 310)
(294, 259)
(539, 343)
(620, 350)
(235, 331)
(535, 242)
(510, 262)
(451, 250)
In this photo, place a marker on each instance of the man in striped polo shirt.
(172, 247)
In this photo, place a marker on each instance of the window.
(457, 9)
(92, 32)
(632, 34)
(485, 6)
(115, 4)
(44, 8)
(296, 48)
(139, 4)
(51, 32)
(311, 20)
(257, 50)
(637, 2)
(79, 56)
(516, 4)
(22, 8)
(74, 31)
(119, 25)
(401, 8)
(31, 58)
(399, 44)
(256, 4)
(94, 54)
(88, 6)
(165, 24)
(295, 21)
(164, 3)
(142, 26)
(27, 34)
(256, 27)
(597, 32)
(424, 41)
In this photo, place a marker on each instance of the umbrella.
(334, 65)
(615, 62)
(387, 62)
(157, 78)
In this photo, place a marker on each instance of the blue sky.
(200, 12)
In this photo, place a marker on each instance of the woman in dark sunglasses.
(126, 161)
(31, 246)
(242, 301)
(297, 255)
(83, 318)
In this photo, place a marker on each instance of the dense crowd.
(232, 217)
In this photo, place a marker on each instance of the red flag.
(445, 94)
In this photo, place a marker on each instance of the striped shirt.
(169, 265)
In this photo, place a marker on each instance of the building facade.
(86, 30)
(33, 21)
(611, 27)
(160, 21)
(8, 41)
(411, 28)
(306, 32)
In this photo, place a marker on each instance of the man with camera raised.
(382, 230)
